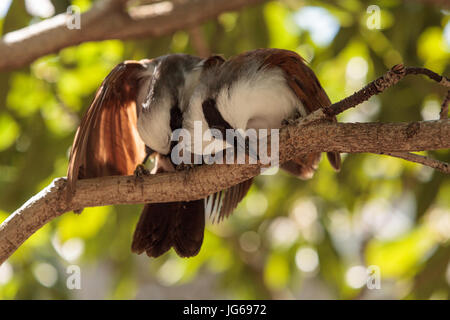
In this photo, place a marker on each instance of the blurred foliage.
(288, 238)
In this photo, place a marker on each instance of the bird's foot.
(141, 171)
(184, 166)
(292, 119)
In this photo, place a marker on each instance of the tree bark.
(109, 20)
(304, 137)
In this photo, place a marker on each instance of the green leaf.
(9, 131)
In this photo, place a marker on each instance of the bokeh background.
(289, 239)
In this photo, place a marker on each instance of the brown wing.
(302, 80)
(107, 142)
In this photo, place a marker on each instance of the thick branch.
(304, 137)
(109, 20)
(313, 133)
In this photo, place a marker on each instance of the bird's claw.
(291, 120)
(141, 171)
(287, 122)
(184, 166)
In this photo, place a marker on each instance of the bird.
(259, 89)
(132, 117)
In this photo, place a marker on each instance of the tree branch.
(314, 133)
(109, 20)
(304, 137)
(426, 161)
(389, 79)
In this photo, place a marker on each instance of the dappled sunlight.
(321, 238)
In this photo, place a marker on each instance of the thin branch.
(426, 161)
(389, 79)
(392, 77)
(307, 135)
(375, 87)
(108, 20)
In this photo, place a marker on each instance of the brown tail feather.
(335, 160)
(189, 228)
(175, 224)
